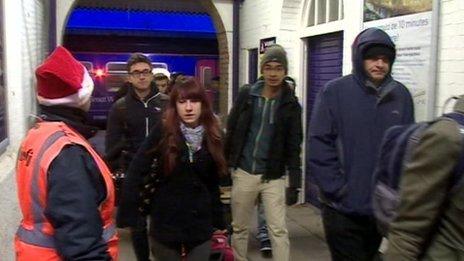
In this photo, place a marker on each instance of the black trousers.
(139, 237)
(162, 252)
(350, 237)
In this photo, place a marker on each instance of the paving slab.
(306, 237)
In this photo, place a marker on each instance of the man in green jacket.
(430, 221)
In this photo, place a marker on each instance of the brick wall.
(291, 11)
(259, 19)
(450, 67)
(25, 23)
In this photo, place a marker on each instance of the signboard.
(409, 24)
(265, 43)
(381, 9)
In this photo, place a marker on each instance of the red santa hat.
(62, 80)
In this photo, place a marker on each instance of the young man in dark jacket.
(129, 122)
(263, 141)
(349, 119)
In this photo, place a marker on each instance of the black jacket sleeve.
(216, 204)
(114, 140)
(75, 191)
(294, 147)
(232, 120)
(139, 168)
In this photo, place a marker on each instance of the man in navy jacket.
(349, 119)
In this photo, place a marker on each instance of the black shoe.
(266, 248)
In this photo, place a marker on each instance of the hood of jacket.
(286, 94)
(73, 117)
(153, 92)
(365, 39)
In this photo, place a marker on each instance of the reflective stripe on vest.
(37, 209)
(37, 238)
(44, 142)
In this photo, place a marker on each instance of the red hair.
(189, 88)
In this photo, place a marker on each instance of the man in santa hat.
(65, 189)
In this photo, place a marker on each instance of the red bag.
(220, 248)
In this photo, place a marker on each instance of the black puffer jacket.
(186, 205)
(129, 123)
(285, 142)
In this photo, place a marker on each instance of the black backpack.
(396, 149)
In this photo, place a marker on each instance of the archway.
(65, 7)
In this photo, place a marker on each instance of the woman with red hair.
(187, 150)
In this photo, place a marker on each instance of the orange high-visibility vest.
(35, 236)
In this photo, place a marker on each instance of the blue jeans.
(262, 226)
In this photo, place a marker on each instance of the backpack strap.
(413, 134)
(458, 178)
(414, 138)
(244, 95)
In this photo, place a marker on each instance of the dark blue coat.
(74, 193)
(346, 128)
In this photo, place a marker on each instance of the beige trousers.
(245, 190)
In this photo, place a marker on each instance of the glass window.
(333, 10)
(252, 65)
(311, 15)
(321, 11)
(324, 11)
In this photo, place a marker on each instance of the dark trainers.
(266, 248)
(262, 233)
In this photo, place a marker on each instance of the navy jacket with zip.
(348, 121)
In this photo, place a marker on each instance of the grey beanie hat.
(274, 53)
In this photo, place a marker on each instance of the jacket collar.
(73, 117)
(153, 92)
(285, 95)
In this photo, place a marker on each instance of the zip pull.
(190, 152)
(183, 252)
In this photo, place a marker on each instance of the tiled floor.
(306, 237)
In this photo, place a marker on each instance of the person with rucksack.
(262, 234)
(129, 122)
(263, 144)
(179, 166)
(349, 118)
(428, 224)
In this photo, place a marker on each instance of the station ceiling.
(147, 5)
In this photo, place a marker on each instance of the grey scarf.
(193, 138)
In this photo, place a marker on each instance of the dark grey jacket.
(286, 137)
(129, 123)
